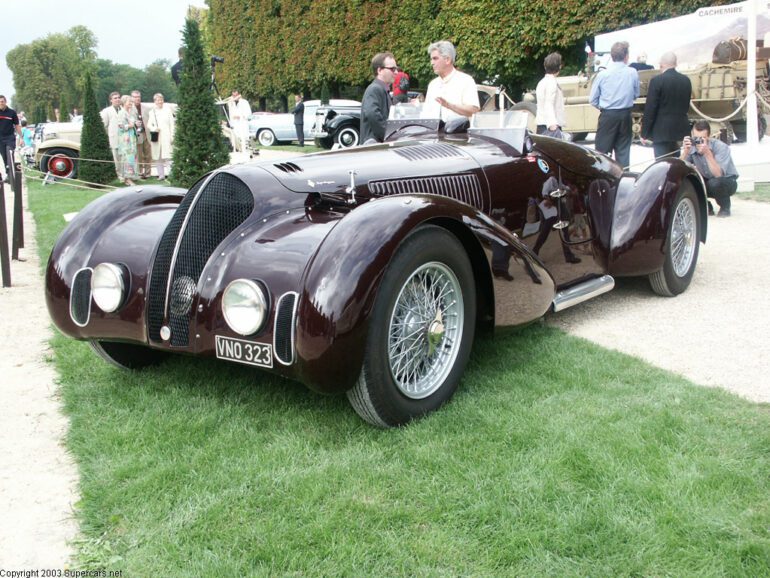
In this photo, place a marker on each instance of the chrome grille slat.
(284, 333)
(80, 297)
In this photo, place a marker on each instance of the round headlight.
(244, 305)
(108, 286)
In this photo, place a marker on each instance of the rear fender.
(642, 213)
(340, 120)
(128, 222)
(342, 279)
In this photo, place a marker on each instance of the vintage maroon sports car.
(369, 270)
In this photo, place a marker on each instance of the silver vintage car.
(270, 129)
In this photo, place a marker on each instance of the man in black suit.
(375, 106)
(665, 113)
(299, 118)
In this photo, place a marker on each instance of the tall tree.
(94, 143)
(198, 143)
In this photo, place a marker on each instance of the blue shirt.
(615, 87)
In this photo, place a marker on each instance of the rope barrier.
(38, 175)
(736, 111)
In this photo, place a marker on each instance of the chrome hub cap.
(683, 237)
(425, 330)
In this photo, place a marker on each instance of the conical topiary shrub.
(198, 144)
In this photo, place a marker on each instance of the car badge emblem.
(182, 295)
(543, 166)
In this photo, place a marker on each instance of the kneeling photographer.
(714, 162)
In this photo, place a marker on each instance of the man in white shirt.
(452, 94)
(110, 120)
(239, 112)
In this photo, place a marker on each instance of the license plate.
(242, 351)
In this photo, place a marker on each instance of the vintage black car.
(369, 270)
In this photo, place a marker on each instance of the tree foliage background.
(49, 73)
(277, 47)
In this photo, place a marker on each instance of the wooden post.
(5, 261)
(18, 210)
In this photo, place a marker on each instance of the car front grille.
(465, 188)
(210, 211)
(80, 297)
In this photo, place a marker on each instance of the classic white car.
(270, 129)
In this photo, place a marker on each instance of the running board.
(583, 292)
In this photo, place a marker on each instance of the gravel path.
(38, 480)
(715, 334)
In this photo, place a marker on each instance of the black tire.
(579, 136)
(347, 137)
(427, 342)
(128, 355)
(325, 142)
(682, 244)
(61, 163)
(266, 137)
(740, 130)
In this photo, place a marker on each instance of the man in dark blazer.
(665, 113)
(375, 105)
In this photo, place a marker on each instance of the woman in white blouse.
(160, 126)
(550, 117)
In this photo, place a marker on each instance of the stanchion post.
(18, 209)
(5, 261)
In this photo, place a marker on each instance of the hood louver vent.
(288, 167)
(465, 188)
(427, 152)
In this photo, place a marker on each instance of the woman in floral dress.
(127, 168)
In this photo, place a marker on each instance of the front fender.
(56, 143)
(341, 120)
(342, 279)
(128, 222)
(642, 214)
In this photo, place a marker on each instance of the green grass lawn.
(761, 192)
(556, 457)
(308, 148)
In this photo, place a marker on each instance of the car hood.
(330, 172)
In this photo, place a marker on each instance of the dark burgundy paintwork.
(306, 236)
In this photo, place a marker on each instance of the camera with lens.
(215, 59)
(697, 140)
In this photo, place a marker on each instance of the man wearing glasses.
(376, 103)
(452, 93)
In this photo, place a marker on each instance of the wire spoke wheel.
(683, 237)
(420, 330)
(682, 243)
(424, 329)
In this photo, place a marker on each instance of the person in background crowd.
(550, 100)
(143, 148)
(9, 128)
(452, 94)
(176, 69)
(401, 87)
(613, 93)
(238, 110)
(641, 63)
(22, 116)
(665, 112)
(126, 162)
(713, 161)
(57, 115)
(375, 106)
(75, 116)
(27, 137)
(110, 120)
(160, 120)
(299, 118)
